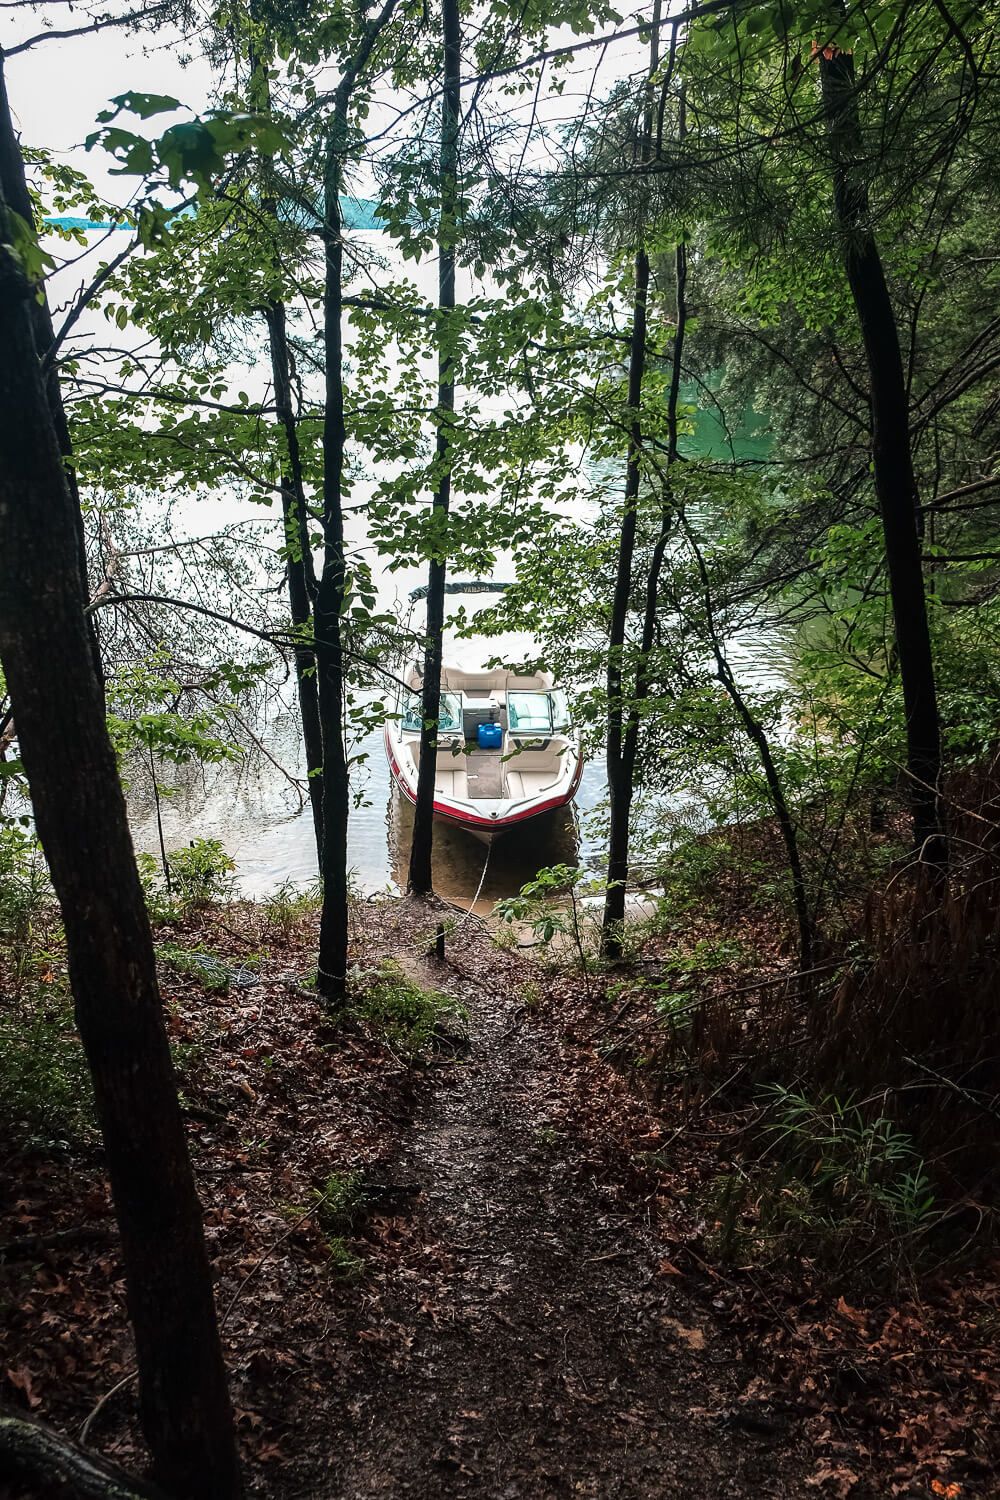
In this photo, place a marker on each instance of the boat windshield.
(538, 712)
(449, 712)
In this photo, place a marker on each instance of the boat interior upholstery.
(525, 765)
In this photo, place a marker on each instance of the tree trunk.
(756, 734)
(331, 977)
(620, 787)
(895, 482)
(47, 656)
(46, 1467)
(786, 823)
(420, 879)
(299, 569)
(299, 564)
(331, 968)
(630, 744)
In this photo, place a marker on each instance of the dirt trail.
(542, 1354)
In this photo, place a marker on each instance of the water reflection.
(463, 865)
(266, 827)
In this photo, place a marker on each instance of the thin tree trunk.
(620, 788)
(299, 563)
(756, 734)
(630, 744)
(758, 737)
(331, 968)
(420, 878)
(895, 481)
(48, 659)
(331, 980)
(299, 569)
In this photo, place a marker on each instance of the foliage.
(542, 904)
(288, 908)
(863, 1162)
(24, 883)
(45, 1090)
(199, 872)
(335, 1206)
(409, 1019)
(849, 1188)
(211, 973)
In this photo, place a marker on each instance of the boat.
(507, 749)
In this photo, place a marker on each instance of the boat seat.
(531, 754)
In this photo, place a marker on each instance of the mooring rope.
(479, 887)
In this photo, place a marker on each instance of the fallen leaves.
(838, 1481)
(693, 1337)
(23, 1380)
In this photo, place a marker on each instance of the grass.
(335, 1207)
(409, 1019)
(289, 907)
(339, 1203)
(843, 1187)
(199, 964)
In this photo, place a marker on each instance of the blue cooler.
(489, 736)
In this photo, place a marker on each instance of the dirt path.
(541, 1352)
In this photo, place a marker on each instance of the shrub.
(199, 876)
(45, 1088)
(841, 1187)
(865, 1164)
(199, 873)
(289, 906)
(410, 1020)
(24, 882)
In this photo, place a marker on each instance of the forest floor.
(481, 1273)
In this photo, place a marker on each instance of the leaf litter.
(516, 1306)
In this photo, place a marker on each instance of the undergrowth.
(409, 1019)
(197, 963)
(197, 875)
(335, 1207)
(840, 1185)
(46, 1096)
(288, 908)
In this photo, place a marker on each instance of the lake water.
(258, 816)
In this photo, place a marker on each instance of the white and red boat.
(507, 751)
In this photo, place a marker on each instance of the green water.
(747, 438)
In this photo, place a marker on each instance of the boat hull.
(484, 828)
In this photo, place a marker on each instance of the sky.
(58, 87)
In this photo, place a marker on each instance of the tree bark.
(298, 564)
(14, 190)
(331, 968)
(420, 879)
(620, 782)
(45, 1466)
(895, 481)
(614, 910)
(299, 569)
(331, 977)
(758, 737)
(47, 656)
